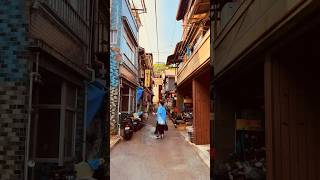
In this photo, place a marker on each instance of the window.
(53, 120)
(68, 133)
(48, 133)
(128, 102)
(133, 102)
(113, 37)
(124, 99)
(102, 33)
(129, 49)
(129, 53)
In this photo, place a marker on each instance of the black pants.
(156, 131)
(161, 128)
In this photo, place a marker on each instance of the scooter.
(178, 120)
(187, 117)
(128, 127)
(137, 121)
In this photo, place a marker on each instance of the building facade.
(266, 84)
(157, 89)
(192, 56)
(144, 93)
(47, 64)
(124, 63)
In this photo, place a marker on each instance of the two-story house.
(145, 78)
(266, 84)
(192, 56)
(124, 79)
(47, 69)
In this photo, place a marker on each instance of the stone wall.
(114, 92)
(115, 58)
(13, 88)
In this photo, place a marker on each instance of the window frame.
(129, 45)
(113, 37)
(63, 108)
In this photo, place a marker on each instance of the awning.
(170, 59)
(183, 4)
(95, 97)
(139, 93)
(175, 57)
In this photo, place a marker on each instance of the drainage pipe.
(27, 142)
(119, 89)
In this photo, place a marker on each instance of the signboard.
(249, 125)
(147, 76)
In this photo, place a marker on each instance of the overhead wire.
(156, 15)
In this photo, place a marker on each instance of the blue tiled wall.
(13, 88)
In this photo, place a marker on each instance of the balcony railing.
(198, 59)
(70, 17)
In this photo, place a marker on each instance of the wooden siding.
(65, 12)
(252, 24)
(199, 59)
(55, 35)
(201, 108)
(292, 120)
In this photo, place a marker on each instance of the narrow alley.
(145, 157)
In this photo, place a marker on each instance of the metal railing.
(70, 17)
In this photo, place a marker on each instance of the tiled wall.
(13, 88)
(114, 65)
(114, 92)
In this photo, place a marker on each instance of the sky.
(169, 29)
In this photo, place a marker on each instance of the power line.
(155, 9)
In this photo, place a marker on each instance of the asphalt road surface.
(146, 158)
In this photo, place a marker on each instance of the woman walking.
(161, 120)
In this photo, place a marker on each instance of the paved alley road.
(147, 158)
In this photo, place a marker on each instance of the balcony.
(198, 59)
(66, 14)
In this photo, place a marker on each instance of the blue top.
(161, 115)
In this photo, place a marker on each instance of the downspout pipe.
(119, 94)
(32, 76)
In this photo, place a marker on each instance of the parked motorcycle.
(128, 126)
(137, 121)
(187, 117)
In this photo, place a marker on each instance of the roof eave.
(181, 9)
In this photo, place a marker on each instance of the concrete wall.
(170, 83)
(155, 89)
(13, 88)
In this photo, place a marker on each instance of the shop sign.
(249, 125)
(147, 75)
